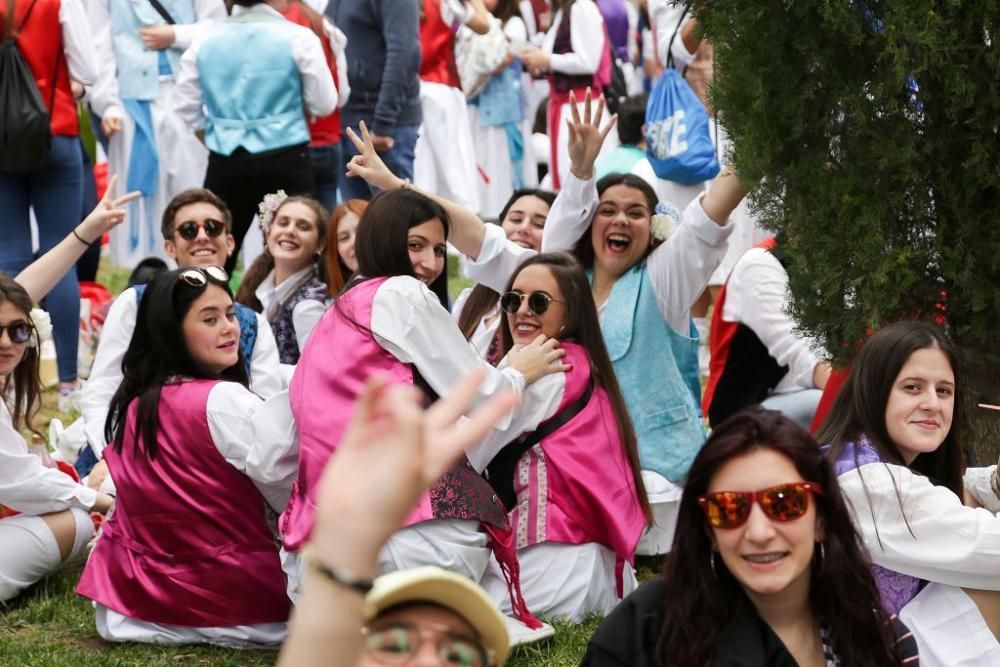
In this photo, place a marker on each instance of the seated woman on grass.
(189, 555)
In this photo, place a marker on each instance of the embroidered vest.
(501, 99)
(437, 47)
(742, 371)
(563, 83)
(253, 93)
(576, 485)
(651, 360)
(895, 588)
(326, 130)
(188, 543)
(139, 67)
(341, 355)
(40, 42)
(284, 326)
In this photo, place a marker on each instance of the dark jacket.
(383, 56)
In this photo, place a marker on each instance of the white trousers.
(444, 160)
(949, 629)
(182, 164)
(115, 627)
(29, 551)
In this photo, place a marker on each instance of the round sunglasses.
(197, 276)
(731, 509)
(538, 302)
(188, 229)
(18, 332)
(399, 643)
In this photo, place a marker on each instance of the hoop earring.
(711, 563)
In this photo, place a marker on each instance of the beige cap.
(447, 589)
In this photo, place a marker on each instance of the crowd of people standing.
(333, 426)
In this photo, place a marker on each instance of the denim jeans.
(55, 192)
(399, 160)
(327, 167)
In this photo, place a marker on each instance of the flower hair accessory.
(268, 207)
(42, 323)
(664, 222)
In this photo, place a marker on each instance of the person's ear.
(170, 248)
(230, 244)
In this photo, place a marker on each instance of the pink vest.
(342, 353)
(188, 543)
(576, 486)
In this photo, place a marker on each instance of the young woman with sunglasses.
(44, 513)
(340, 261)
(766, 569)
(391, 318)
(575, 496)
(189, 555)
(286, 281)
(897, 451)
(477, 309)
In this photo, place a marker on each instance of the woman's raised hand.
(538, 358)
(367, 164)
(107, 215)
(586, 136)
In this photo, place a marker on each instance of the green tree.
(873, 127)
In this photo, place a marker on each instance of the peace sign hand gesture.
(107, 215)
(367, 164)
(586, 136)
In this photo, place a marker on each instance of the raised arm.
(42, 275)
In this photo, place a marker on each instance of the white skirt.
(29, 550)
(444, 160)
(949, 629)
(115, 627)
(496, 183)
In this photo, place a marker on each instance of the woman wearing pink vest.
(189, 555)
(578, 505)
(390, 320)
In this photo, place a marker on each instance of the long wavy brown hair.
(24, 380)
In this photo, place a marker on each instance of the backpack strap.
(162, 11)
(14, 32)
(670, 45)
(500, 471)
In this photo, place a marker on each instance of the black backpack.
(25, 137)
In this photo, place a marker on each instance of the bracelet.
(342, 578)
(80, 238)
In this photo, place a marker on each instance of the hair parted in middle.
(584, 249)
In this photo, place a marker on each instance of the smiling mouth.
(288, 245)
(618, 243)
(765, 559)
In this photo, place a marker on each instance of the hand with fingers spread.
(107, 215)
(586, 136)
(392, 452)
(367, 164)
(538, 358)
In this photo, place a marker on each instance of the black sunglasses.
(18, 332)
(189, 229)
(538, 302)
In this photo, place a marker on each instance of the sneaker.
(69, 400)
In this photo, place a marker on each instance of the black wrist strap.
(341, 578)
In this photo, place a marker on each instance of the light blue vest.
(252, 85)
(138, 67)
(654, 365)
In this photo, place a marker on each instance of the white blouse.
(482, 337)
(306, 314)
(586, 32)
(28, 486)
(912, 526)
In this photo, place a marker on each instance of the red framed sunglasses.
(731, 509)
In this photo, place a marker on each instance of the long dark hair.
(158, 352)
(698, 604)
(26, 383)
(505, 10)
(338, 273)
(264, 263)
(583, 327)
(482, 299)
(859, 409)
(584, 249)
(382, 233)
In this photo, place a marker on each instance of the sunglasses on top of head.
(188, 229)
(731, 509)
(198, 276)
(18, 332)
(538, 302)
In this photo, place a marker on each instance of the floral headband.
(664, 222)
(43, 326)
(268, 207)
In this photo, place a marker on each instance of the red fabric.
(557, 100)
(326, 130)
(63, 467)
(833, 384)
(437, 48)
(188, 543)
(721, 339)
(40, 41)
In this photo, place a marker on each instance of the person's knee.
(69, 531)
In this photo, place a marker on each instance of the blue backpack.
(678, 142)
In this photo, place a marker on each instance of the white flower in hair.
(42, 323)
(664, 222)
(268, 207)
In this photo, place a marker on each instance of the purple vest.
(188, 543)
(616, 19)
(563, 83)
(283, 325)
(895, 588)
(341, 355)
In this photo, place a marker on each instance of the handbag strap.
(162, 11)
(670, 45)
